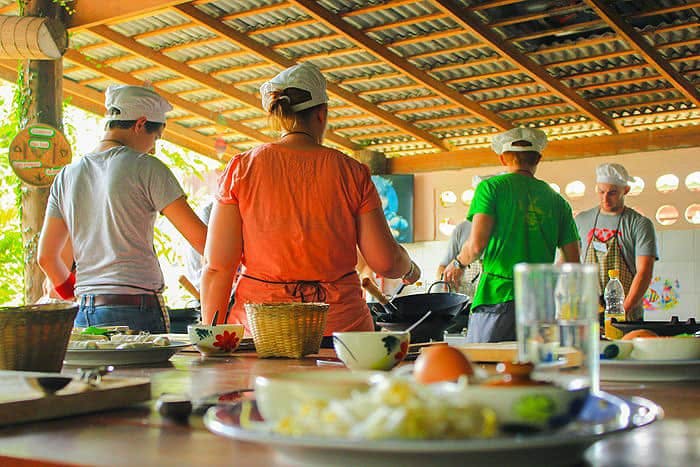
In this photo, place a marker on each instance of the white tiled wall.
(679, 259)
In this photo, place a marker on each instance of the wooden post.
(43, 85)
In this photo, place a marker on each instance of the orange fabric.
(299, 211)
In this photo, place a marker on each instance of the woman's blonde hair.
(281, 117)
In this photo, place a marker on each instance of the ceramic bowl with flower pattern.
(371, 350)
(221, 339)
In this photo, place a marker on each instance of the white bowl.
(221, 339)
(278, 396)
(666, 348)
(371, 350)
(615, 349)
(539, 406)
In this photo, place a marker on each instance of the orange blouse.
(299, 210)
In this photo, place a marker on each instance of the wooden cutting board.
(19, 402)
(508, 352)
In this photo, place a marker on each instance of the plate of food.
(604, 415)
(650, 370)
(120, 349)
(650, 358)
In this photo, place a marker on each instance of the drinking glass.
(556, 310)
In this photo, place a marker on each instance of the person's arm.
(640, 282)
(482, 227)
(440, 271)
(184, 219)
(53, 240)
(222, 255)
(381, 251)
(571, 252)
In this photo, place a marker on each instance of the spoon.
(423, 318)
(48, 385)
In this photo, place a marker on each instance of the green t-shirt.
(530, 222)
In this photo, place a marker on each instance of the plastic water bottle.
(614, 296)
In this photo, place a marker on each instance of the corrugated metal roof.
(426, 82)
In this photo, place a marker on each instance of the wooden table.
(139, 436)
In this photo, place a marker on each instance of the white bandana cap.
(305, 76)
(503, 142)
(134, 102)
(614, 174)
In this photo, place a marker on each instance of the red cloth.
(67, 289)
(299, 211)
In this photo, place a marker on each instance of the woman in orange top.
(294, 213)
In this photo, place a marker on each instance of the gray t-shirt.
(637, 234)
(109, 202)
(470, 276)
(457, 239)
(193, 260)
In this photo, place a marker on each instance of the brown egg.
(441, 363)
(639, 333)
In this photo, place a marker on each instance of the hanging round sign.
(38, 153)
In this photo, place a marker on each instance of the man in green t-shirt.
(516, 218)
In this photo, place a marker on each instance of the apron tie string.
(304, 289)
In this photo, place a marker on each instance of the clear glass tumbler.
(556, 309)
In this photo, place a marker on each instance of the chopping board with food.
(30, 396)
(494, 352)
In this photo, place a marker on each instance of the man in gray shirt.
(470, 278)
(615, 236)
(105, 204)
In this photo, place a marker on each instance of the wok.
(410, 308)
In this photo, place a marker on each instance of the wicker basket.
(35, 337)
(286, 329)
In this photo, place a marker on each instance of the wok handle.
(449, 287)
(374, 291)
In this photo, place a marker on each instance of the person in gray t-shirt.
(470, 279)
(106, 204)
(616, 236)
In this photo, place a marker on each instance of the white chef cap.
(615, 174)
(134, 102)
(503, 142)
(305, 76)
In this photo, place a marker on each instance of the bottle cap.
(613, 273)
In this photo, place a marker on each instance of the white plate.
(650, 370)
(603, 416)
(99, 357)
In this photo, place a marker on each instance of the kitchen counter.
(139, 436)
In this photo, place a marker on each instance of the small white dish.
(666, 348)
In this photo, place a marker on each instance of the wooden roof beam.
(662, 11)
(534, 16)
(405, 22)
(255, 47)
(358, 37)
(633, 107)
(90, 13)
(174, 99)
(627, 32)
(378, 7)
(548, 32)
(454, 50)
(493, 4)
(595, 146)
(474, 26)
(254, 11)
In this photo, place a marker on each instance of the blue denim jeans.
(146, 317)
